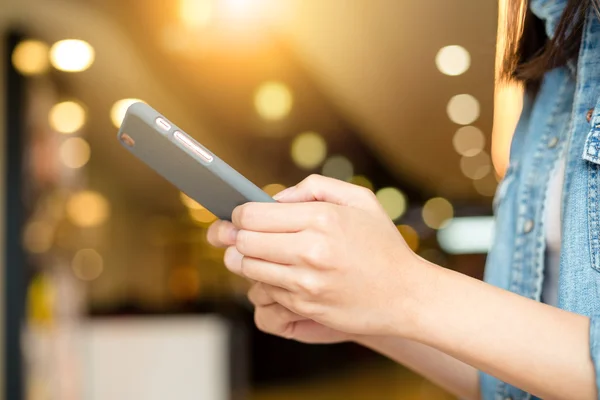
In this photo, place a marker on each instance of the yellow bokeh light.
(72, 55)
(468, 141)
(30, 57)
(203, 217)
(273, 189)
(476, 167)
(363, 181)
(119, 109)
(411, 237)
(195, 14)
(463, 109)
(309, 150)
(453, 60)
(393, 202)
(486, 186)
(273, 101)
(87, 264)
(338, 167)
(87, 209)
(38, 237)
(437, 212)
(189, 202)
(75, 152)
(67, 117)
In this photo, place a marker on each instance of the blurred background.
(110, 290)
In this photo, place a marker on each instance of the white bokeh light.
(463, 109)
(453, 60)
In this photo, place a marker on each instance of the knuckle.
(259, 320)
(318, 253)
(303, 308)
(367, 194)
(311, 286)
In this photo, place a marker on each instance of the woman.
(330, 266)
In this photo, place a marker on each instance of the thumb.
(329, 190)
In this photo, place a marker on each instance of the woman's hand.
(329, 252)
(269, 316)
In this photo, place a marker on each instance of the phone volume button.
(192, 145)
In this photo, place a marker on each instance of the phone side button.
(190, 144)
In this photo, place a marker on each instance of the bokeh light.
(410, 235)
(468, 141)
(67, 117)
(393, 202)
(203, 217)
(87, 264)
(87, 209)
(273, 188)
(273, 101)
(72, 55)
(30, 57)
(463, 109)
(363, 181)
(309, 150)
(486, 186)
(189, 202)
(119, 109)
(453, 60)
(38, 237)
(75, 152)
(338, 167)
(476, 167)
(437, 212)
(195, 14)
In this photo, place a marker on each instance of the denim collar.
(548, 11)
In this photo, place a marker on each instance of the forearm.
(540, 349)
(453, 375)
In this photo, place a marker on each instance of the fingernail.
(233, 235)
(284, 193)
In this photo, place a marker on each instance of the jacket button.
(589, 115)
(528, 226)
(552, 143)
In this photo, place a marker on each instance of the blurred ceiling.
(363, 73)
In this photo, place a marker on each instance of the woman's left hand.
(329, 252)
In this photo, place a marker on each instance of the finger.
(280, 248)
(280, 295)
(267, 272)
(277, 320)
(258, 296)
(320, 188)
(274, 217)
(222, 234)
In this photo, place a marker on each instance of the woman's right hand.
(269, 316)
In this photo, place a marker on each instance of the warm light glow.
(411, 237)
(273, 101)
(338, 167)
(309, 149)
(30, 57)
(393, 202)
(362, 181)
(463, 109)
(184, 283)
(72, 55)
(486, 186)
(38, 237)
(87, 264)
(468, 141)
(74, 152)
(273, 189)
(476, 167)
(88, 209)
(203, 217)
(189, 202)
(119, 109)
(195, 14)
(67, 117)
(453, 60)
(437, 212)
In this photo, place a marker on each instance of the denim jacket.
(563, 117)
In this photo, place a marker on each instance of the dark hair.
(528, 53)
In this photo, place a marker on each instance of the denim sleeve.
(595, 348)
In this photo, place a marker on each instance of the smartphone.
(184, 162)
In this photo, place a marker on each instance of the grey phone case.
(212, 183)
